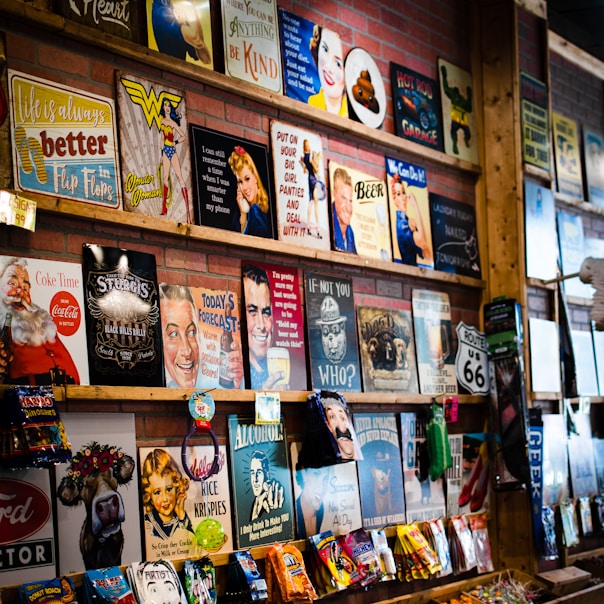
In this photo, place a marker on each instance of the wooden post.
(503, 194)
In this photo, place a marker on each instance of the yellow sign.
(17, 211)
(568, 156)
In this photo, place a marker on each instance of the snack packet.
(44, 432)
(286, 575)
(107, 585)
(358, 545)
(51, 591)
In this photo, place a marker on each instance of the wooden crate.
(512, 574)
(567, 580)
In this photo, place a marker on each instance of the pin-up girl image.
(410, 230)
(171, 135)
(311, 163)
(326, 50)
(252, 197)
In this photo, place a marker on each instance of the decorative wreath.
(93, 458)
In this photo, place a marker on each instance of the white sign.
(471, 362)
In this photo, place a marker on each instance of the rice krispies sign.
(63, 141)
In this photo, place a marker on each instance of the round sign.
(201, 406)
(365, 88)
(65, 312)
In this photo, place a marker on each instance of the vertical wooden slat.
(504, 217)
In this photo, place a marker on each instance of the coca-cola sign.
(24, 510)
(66, 313)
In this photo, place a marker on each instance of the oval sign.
(24, 510)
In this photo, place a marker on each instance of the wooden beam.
(576, 55)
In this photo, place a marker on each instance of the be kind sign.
(64, 141)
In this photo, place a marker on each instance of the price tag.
(268, 408)
(471, 362)
(201, 406)
(17, 211)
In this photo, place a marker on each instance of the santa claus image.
(36, 355)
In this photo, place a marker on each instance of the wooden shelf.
(130, 50)
(178, 395)
(557, 396)
(540, 173)
(579, 204)
(203, 233)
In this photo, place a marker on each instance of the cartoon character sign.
(153, 116)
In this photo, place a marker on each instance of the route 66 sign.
(471, 362)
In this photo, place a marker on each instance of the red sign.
(65, 312)
(24, 510)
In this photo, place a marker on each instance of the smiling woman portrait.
(326, 49)
(252, 197)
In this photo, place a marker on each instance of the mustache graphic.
(19, 301)
(343, 434)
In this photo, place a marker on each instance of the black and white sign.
(471, 362)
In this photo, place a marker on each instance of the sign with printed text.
(434, 342)
(567, 155)
(27, 542)
(154, 148)
(251, 42)
(359, 205)
(332, 338)
(116, 18)
(63, 141)
(534, 115)
(300, 188)
(471, 361)
(16, 211)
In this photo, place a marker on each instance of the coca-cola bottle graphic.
(226, 341)
(6, 337)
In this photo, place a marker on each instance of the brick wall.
(410, 33)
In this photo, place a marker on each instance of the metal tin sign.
(63, 141)
(471, 362)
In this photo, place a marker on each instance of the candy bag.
(107, 585)
(286, 575)
(358, 545)
(200, 581)
(482, 545)
(42, 426)
(51, 591)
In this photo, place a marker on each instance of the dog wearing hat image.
(333, 330)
